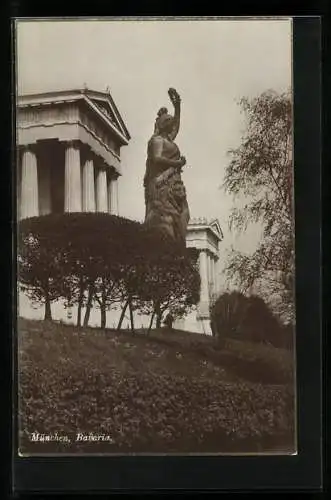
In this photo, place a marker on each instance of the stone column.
(215, 276)
(109, 191)
(44, 177)
(88, 185)
(113, 196)
(210, 274)
(102, 195)
(72, 180)
(204, 292)
(29, 184)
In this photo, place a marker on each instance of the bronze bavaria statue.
(165, 196)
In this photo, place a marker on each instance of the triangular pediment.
(215, 225)
(107, 107)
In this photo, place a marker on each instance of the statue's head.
(164, 122)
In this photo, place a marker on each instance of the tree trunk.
(103, 315)
(79, 315)
(131, 315)
(80, 303)
(158, 315)
(122, 314)
(103, 307)
(151, 321)
(89, 305)
(48, 311)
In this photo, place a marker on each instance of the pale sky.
(210, 63)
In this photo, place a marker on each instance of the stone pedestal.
(72, 181)
(102, 195)
(193, 323)
(29, 184)
(88, 186)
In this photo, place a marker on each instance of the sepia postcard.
(155, 237)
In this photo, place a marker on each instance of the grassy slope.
(169, 392)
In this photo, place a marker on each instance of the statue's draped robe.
(165, 196)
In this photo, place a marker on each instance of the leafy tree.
(228, 313)
(171, 286)
(247, 318)
(260, 173)
(39, 274)
(159, 277)
(78, 276)
(106, 293)
(260, 324)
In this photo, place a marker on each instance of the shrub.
(227, 314)
(235, 315)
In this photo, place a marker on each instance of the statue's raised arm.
(176, 101)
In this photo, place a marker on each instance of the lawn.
(167, 392)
